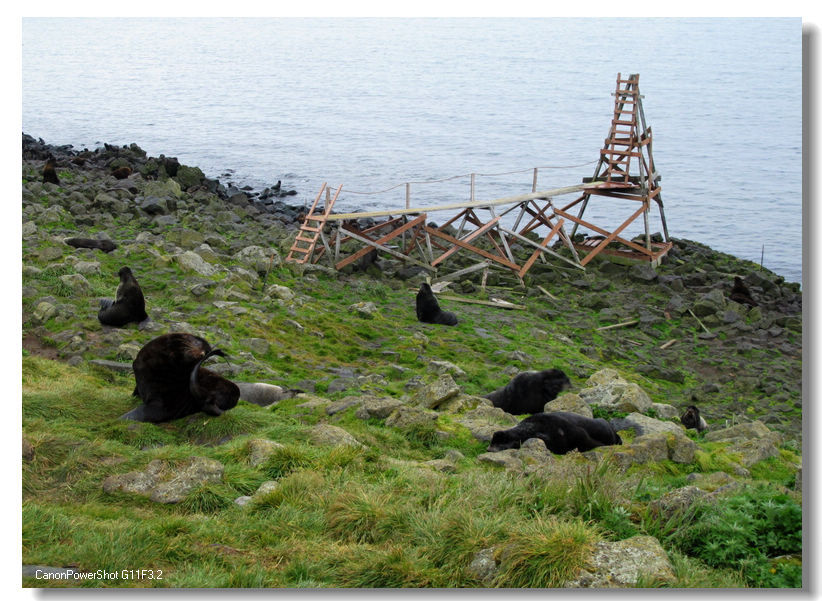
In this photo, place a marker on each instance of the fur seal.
(428, 309)
(122, 172)
(129, 304)
(692, 419)
(105, 245)
(528, 391)
(171, 165)
(740, 293)
(172, 383)
(561, 431)
(49, 173)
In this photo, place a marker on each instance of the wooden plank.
(699, 321)
(546, 250)
(489, 303)
(610, 237)
(606, 233)
(546, 293)
(462, 272)
(624, 324)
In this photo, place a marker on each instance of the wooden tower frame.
(626, 170)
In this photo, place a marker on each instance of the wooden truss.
(624, 171)
(407, 235)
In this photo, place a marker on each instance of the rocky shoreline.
(109, 158)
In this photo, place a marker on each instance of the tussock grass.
(545, 553)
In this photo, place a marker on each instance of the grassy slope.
(371, 517)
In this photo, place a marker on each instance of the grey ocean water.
(372, 103)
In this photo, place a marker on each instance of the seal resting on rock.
(172, 382)
(740, 293)
(528, 391)
(121, 172)
(105, 245)
(49, 173)
(692, 419)
(428, 309)
(561, 431)
(129, 304)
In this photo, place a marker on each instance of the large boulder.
(483, 421)
(659, 446)
(191, 261)
(260, 449)
(436, 393)
(570, 402)
(405, 417)
(642, 424)
(621, 565)
(617, 395)
(377, 407)
(165, 481)
(328, 435)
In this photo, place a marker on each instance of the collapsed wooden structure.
(624, 172)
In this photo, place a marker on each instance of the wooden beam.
(462, 272)
(489, 303)
(468, 238)
(542, 248)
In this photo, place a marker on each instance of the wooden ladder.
(311, 228)
(621, 144)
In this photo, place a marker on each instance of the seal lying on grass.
(561, 431)
(172, 382)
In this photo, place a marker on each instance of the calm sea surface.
(370, 104)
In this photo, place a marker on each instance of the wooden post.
(407, 195)
(534, 185)
(472, 186)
